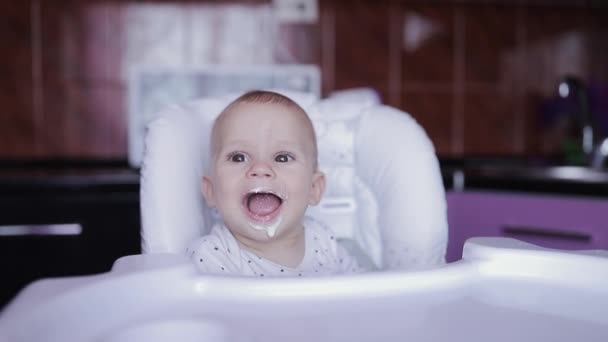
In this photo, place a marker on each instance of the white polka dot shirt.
(219, 253)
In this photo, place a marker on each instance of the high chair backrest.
(384, 187)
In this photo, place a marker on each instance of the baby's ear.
(207, 190)
(318, 188)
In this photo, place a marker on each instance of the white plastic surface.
(503, 290)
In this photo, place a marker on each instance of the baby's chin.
(269, 228)
(253, 231)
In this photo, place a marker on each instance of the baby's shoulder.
(215, 252)
(327, 250)
(319, 230)
(214, 242)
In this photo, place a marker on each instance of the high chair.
(385, 198)
(385, 201)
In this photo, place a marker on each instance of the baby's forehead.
(253, 108)
(244, 115)
(281, 113)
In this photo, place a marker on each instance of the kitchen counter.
(65, 219)
(522, 176)
(45, 176)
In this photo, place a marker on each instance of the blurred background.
(480, 76)
(495, 83)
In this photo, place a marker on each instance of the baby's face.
(264, 174)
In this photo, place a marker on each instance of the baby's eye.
(237, 157)
(283, 158)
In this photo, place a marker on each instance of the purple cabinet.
(563, 222)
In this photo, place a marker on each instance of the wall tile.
(433, 111)
(100, 121)
(490, 35)
(598, 44)
(489, 128)
(79, 46)
(17, 120)
(427, 43)
(58, 129)
(361, 45)
(555, 45)
(59, 61)
(539, 140)
(96, 33)
(327, 46)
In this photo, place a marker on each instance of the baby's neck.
(283, 250)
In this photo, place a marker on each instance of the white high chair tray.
(502, 290)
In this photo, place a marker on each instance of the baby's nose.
(261, 170)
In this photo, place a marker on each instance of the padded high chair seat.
(384, 189)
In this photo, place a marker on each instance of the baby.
(263, 176)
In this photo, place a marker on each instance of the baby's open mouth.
(262, 206)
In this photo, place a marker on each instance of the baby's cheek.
(302, 190)
(225, 192)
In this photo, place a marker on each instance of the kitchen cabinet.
(106, 210)
(555, 221)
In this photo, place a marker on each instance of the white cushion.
(397, 161)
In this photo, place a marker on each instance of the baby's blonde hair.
(265, 96)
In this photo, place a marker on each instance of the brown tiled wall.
(17, 123)
(475, 81)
